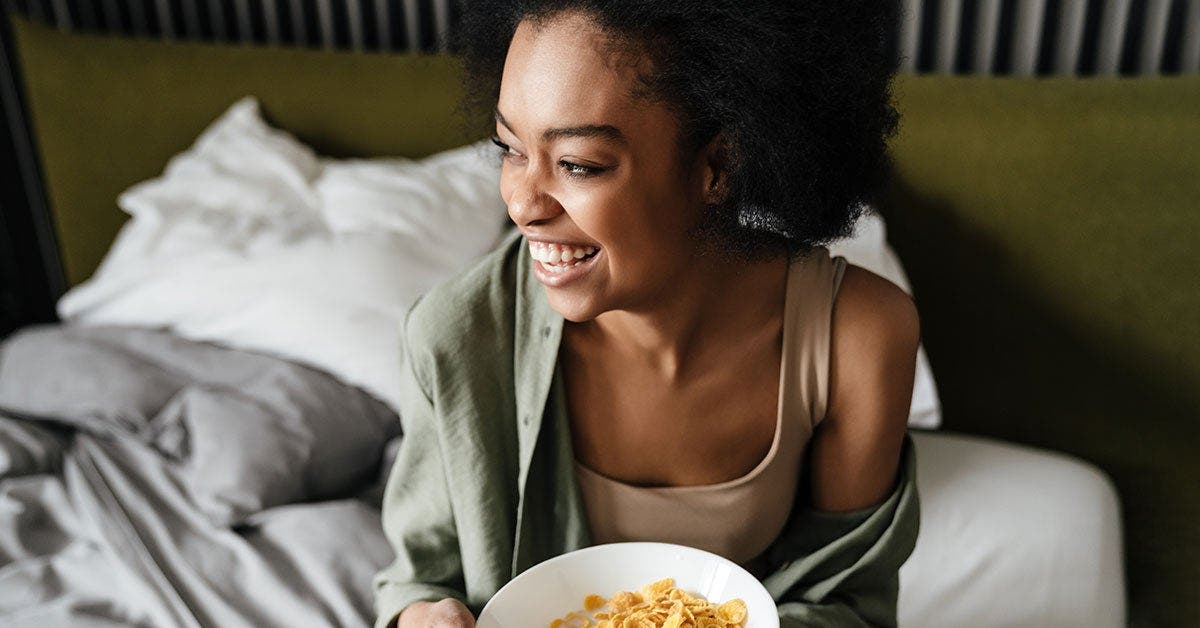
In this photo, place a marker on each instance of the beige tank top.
(738, 518)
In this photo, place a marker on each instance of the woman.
(665, 350)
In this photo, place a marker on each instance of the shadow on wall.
(1011, 366)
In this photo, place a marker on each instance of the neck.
(708, 308)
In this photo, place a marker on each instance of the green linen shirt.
(483, 486)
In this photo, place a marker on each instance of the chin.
(574, 309)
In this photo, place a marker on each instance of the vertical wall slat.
(967, 18)
(191, 19)
(137, 17)
(245, 29)
(340, 22)
(36, 11)
(110, 16)
(1089, 45)
(1050, 30)
(165, 24)
(383, 24)
(1006, 26)
(1070, 37)
(927, 36)
(1135, 26)
(299, 28)
(910, 28)
(325, 23)
(1153, 35)
(1027, 36)
(441, 21)
(62, 14)
(412, 25)
(1112, 36)
(87, 16)
(271, 21)
(987, 21)
(1190, 59)
(947, 35)
(355, 24)
(216, 19)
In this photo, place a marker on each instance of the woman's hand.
(447, 613)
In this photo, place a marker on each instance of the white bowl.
(551, 589)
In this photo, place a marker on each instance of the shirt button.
(525, 419)
(546, 331)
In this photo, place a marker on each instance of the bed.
(143, 476)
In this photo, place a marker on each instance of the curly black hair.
(801, 89)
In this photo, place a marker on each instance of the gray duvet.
(150, 480)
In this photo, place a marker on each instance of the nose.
(529, 201)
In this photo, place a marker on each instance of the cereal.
(657, 605)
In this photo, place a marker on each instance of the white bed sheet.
(1011, 536)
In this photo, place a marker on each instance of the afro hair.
(800, 90)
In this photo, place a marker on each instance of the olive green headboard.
(109, 111)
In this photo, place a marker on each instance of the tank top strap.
(814, 282)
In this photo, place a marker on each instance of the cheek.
(505, 186)
(610, 217)
(642, 221)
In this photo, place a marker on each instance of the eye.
(573, 170)
(579, 171)
(504, 148)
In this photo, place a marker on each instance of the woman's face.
(590, 167)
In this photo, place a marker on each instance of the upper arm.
(855, 452)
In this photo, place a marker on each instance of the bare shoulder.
(873, 348)
(872, 309)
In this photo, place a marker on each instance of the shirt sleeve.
(842, 569)
(418, 520)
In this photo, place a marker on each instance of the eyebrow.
(606, 132)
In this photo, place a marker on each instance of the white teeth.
(558, 268)
(556, 255)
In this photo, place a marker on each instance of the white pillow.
(250, 240)
(869, 248)
(438, 201)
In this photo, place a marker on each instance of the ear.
(715, 157)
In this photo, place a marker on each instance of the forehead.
(559, 73)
